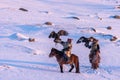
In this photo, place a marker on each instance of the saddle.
(65, 57)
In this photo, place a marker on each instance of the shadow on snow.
(32, 66)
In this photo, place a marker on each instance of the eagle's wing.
(52, 34)
(62, 33)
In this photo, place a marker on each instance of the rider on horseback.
(94, 48)
(67, 46)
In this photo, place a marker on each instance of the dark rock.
(75, 18)
(113, 38)
(117, 7)
(93, 29)
(23, 9)
(31, 39)
(109, 27)
(48, 23)
(116, 17)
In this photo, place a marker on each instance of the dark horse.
(85, 40)
(74, 60)
(94, 59)
(56, 36)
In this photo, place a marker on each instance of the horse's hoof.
(77, 72)
(61, 72)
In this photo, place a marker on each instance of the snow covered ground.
(24, 60)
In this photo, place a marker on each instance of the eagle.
(56, 35)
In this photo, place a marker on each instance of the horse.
(94, 59)
(85, 40)
(74, 60)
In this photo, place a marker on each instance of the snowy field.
(24, 60)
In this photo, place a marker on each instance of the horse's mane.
(58, 52)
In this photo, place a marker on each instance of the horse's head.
(81, 39)
(53, 52)
(52, 34)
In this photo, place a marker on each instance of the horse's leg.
(93, 66)
(97, 62)
(61, 68)
(96, 65)
(99, 58)
(72, 66)
(90, 58)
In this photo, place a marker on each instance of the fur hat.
(95, 41)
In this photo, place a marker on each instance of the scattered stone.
(75, 18)
(113, 38)
(23, 9)
(31, 39)
(109, 27)
(116, 17)
(117, 7)
(100, 18)
(48, 23)
(47, 12)
(93, 29)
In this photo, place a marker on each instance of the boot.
(65, 57)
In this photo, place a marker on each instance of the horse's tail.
(77, 66)
(76, 62)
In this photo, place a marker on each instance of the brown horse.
(74, 60)
(94, 59)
